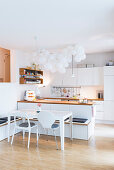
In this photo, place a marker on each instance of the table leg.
(70, 127)
(8, 128)
(62, 134)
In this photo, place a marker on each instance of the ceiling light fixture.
(59, 61)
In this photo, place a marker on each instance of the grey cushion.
(26, 124)
(3, 121)
(54, 126)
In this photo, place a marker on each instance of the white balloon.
(59, 61)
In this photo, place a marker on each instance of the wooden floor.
(97, 153)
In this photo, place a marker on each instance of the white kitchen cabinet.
(83, 77)
(99, 115)
(109, 87)
(90, 76)
(98, 76)
(22, 106)
(99, 106)
(99, 110)
(109, 93)
(60, 107)
(109, 71)
(33, 106)
(46, 106)
(109, 110)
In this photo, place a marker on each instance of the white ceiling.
(57, 23)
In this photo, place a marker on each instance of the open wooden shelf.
(30, 76)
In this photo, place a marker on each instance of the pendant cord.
(72, 64)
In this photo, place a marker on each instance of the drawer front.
(99, 116)
(109, 110)
(99, 106)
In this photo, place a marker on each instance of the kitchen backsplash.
(83, 92)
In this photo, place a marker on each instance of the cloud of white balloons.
(59, 61)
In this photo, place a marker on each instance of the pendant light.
(73, 75)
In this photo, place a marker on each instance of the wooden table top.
(56, 102)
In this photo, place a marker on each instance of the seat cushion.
(54, 126)
(25, 124)
(3, 121)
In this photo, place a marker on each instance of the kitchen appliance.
(29, 95)
(100, 94)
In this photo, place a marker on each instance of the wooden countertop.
(56, 102)
(68, 98)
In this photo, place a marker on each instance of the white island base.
(79, 130)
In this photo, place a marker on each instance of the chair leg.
(38, 128)
(29, 139)
(23, 134)
(55, 140)
(13, 136)
(37, 136)
(47, 133)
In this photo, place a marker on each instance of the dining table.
(60, 116)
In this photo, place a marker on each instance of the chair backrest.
(22, 115)
(46, 119)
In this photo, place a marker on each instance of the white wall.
(11, 92)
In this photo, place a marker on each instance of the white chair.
(46, 119)
(25, 126)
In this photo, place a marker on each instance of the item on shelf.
(64, 90)
(81, 65)
(85, 100)
(28, 67)
(34, 66)
(100, 94)
(90, 65)
(81, 101)
(110, 63)
(38, 67)
(29, 95)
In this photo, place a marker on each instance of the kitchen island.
(79, 110)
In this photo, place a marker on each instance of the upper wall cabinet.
(83, 77)
(90, 76)
(98, 75)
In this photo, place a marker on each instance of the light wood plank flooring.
(97, 153)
